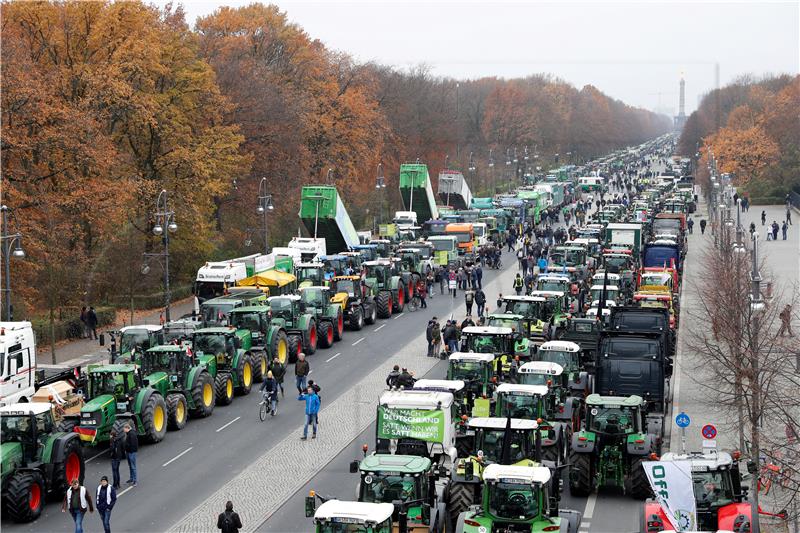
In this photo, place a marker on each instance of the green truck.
(324, 216)
(416, 191)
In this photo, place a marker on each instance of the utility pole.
(264, 207)
(164, 224)
(756, 307)
(7, 241)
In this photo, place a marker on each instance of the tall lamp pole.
(163, 225)
(264, 207)
(380, 184)
(8, 241)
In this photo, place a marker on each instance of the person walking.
(703, 226)
(479, 276)
(422, 291)
(429, 335)
(469, 299)
(690, 224)
(228, 520)
(91, 321)
(436, 334)
(480, 300)
(453, 284)
(775, 229)
(789, 215)
(117, 452)
(440, 275)
(278, 370)
(763, 217)
(786, 321)
(106, 498)
(784, 229)
(269, 388)
(312, 409)
(450, 337)
(301, 370)
(85, 334)
(429, 283)
(542, 265)
(518, 284)
(77, 501)
(131, 449)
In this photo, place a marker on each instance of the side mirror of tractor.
(353, 467)
(311, 506)
(102, 339)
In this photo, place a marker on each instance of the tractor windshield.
(465, 370)
(108, 383)
(312, 297)
(345, 285)
(249, 320)
(611, 420)
(618, 261)
(135, 339)
(551, 285)
(215, 314)
(561, 259)
(528, 309)
(15, 428)
(504, 322)
(387, 487)
(443, 245)
(712, 488)
(212, 343)
(490, 443)
(281, 308)
(485, 343)
(528, 378)
(154, 361)
(567, 360)
(378, 272)
(312, 274)
(513, 501)
(528, 406)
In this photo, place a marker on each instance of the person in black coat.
(229, 521)
(131, 448)
(117, 449)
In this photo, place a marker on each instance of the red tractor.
(721, 499)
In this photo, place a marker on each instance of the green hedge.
(70, 328)
(767, 200)
(150, 301)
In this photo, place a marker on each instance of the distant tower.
(680, 119)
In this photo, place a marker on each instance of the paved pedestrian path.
(272, 478)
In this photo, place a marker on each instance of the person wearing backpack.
(229, 521)
(480, 300)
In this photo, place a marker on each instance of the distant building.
(680, 118)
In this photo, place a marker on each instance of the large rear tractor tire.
(310, 340)
(357, 319)
(67, 425)
(295, 347)
(384, 304)
(325, 334)
(552, 453)
(370, 313)
(637, 485)
(338, 325)
(459, 498)
(154, 418)
(223, 385)
(24, 497)
(581, 474)
(177, 412)
(244, 375)
(260, 366)
(279, 347)
(203, 396)
(72, 467)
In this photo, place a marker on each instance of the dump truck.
(324, 216)
(416, 191)
(454, 190)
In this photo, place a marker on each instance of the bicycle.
(414, 303)
(265, 406)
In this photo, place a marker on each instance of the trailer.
(629, 235)
(454, 190)
(324, 216)
(214, 277)
(416, 191)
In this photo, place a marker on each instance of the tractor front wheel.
(581, 474)
(311, 338)
(338, 325)
(400, 298)
(384, 303)
(357, 319)
(24, 496)
(325, 334)
(244, 375)
(154, 418)
(177, 412)
(73, 467)
(295, 343)
(223, 385)
(203, 396)
(370, 313)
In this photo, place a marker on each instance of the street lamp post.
(8, 241)
(757, 306)
(264, 207)
(163, 225)
(380, 184)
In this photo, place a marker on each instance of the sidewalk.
(84, 351)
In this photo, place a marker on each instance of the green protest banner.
(418, 424)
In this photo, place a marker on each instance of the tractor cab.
(368, 252)
(335, 516)
(169, 359)
(555, 283)
(285, 308)
(490, 436)
(521, 401)
(111, 389)
(531, 308)
(314, 297)
(719, 496)
(29, 425)
(487, 339)
(309, 274)
(553, 311)
(222, 343)
(134, 340)
(336, 265)
(476, 370)
(522, 346)
(255, 319)
(567, 354)
(379, 273)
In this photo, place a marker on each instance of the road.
(181, 472)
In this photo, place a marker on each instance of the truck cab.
(17, 362)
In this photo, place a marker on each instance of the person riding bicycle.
(269, 390)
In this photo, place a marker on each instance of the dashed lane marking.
(359, 340)
(231, 422)
(184, 452)
(334, 357)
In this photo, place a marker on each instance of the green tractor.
(268, 340)
(336, 516)
(37, 459)
(409, 479)
(562, 405)
(131, 341)
(476, 370)
(568, 355)
(500, 341)
(522, 345)
(496, 440)
(388, 286)
(117, 396)
(356, 299)
(531, 402)
(226, 353)
(287, 313)
(611, 446)
(328, 315)
(518, 498)
(186, 385)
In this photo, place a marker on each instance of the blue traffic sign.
(682, 420)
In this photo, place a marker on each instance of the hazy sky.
(630, 50)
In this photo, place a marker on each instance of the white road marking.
(124, 491)
(359, 340)
(380, 327)
(401, 315)
(586, 520)
(184, 452)
(334, 357)
(229, 423)
(92, 458)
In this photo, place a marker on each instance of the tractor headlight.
(86, 415)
